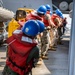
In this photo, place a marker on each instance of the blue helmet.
(51, 13)
(62, 16)
(41, 25)
(42, 9)
(31, 28)
(48, 7)
(59, 13)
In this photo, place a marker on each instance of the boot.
(39, 63)
(45, 57)
(52, 48)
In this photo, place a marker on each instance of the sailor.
(38, 15)
(22, 49)
(45, 39)
(59, 24)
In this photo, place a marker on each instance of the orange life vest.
(53, 17)
(33, 16)
(45, 19)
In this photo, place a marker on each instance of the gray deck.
(58, 60)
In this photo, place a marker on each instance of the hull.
(15, 4)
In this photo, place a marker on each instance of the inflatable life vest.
(19, 47)
(33, 16)
(53, 17)
(45, 19)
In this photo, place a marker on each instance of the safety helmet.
(31, 28)
(59, 13)
(41, 25)
(48, 7)
(42, 9)
(62, 16)
(51, 13)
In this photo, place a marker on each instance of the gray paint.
(72, 45)
(15, 4)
